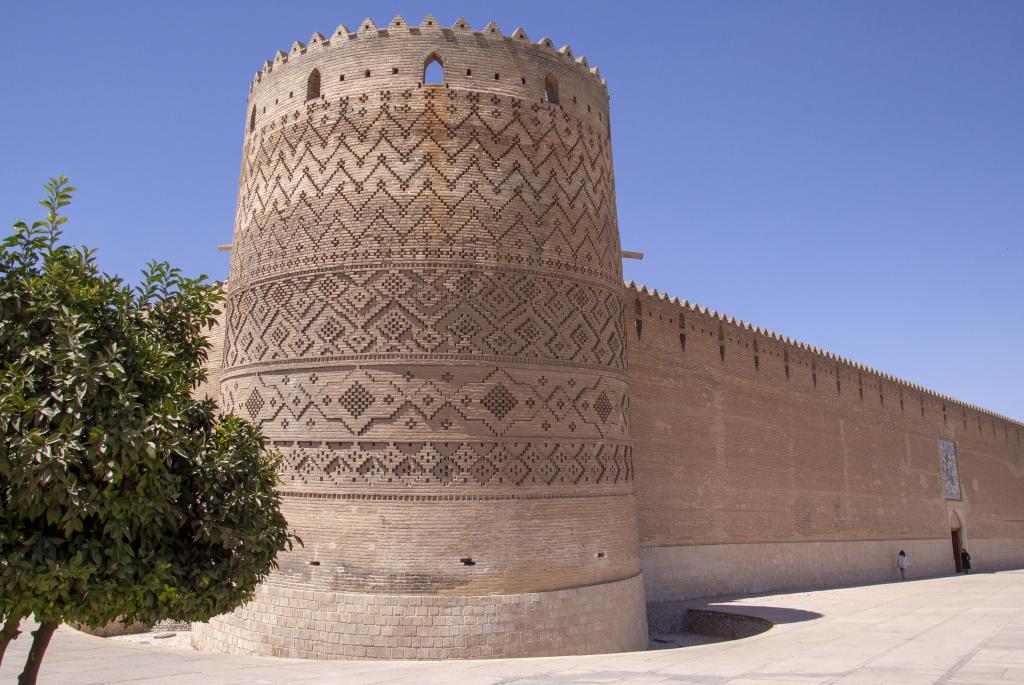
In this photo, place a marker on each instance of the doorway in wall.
(957, 546)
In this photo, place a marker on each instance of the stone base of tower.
(293, 622)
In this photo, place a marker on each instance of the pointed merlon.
(492, 28)
(316, 39)
(342, 31)
(546, 42)
(429, 23)
(398, 22)
(367, 27)
(297, 47)
(462, 25)
(565, 50)
(520, 34)
(280, 57)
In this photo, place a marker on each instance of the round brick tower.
(425, 318)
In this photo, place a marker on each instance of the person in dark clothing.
(965, 561)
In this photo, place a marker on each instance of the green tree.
(121, 496)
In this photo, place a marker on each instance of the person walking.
(903, 563)
(965, 561)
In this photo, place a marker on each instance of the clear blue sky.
(848, 173)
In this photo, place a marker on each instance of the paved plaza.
(967, 629)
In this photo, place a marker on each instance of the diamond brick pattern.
(424, 316)
(354, 315)
(434, 401)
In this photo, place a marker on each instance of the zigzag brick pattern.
(425, 317)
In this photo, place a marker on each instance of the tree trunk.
(40, 639)
(9, 632)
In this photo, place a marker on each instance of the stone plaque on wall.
(950, 470)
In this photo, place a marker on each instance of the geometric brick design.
(424, 315)
(478, 464)
(351, 315)
(424, 174)
(424, 401)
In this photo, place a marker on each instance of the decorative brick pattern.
(417, 401)
(423, 175)
(424, 316)
(329, 464)
(352, 315)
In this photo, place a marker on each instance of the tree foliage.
(120, 495)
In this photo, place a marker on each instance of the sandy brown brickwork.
(700, 570)
(425, 317)
(763, 463)
(210, 388)
(295, 622)
(490, 445)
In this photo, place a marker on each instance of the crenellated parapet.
(425, 319)
(794, 352)
(392, 57)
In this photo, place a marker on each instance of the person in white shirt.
(903, 563)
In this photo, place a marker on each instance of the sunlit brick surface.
(424, 316)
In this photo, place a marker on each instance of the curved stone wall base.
(292, 622)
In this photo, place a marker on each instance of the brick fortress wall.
(766, 464)
(424, 315)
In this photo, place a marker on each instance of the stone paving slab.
(951, 631)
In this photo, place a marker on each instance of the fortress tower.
(425, 316)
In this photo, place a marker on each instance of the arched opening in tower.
(551, 89)
(313, 85)
(433, 71)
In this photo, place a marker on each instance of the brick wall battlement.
(392, 59)
(763, 350)
(424, 315)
